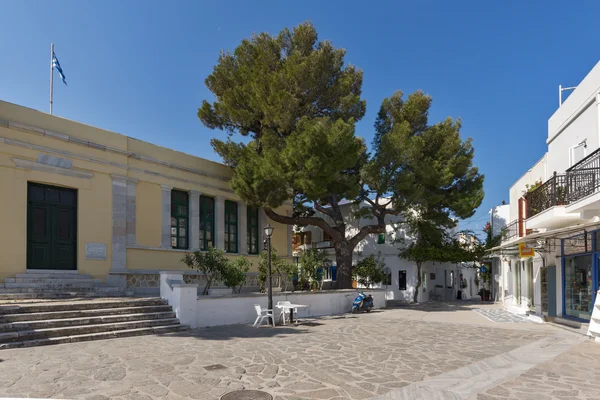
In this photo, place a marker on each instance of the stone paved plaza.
(426, 352)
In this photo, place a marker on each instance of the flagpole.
(51, 75)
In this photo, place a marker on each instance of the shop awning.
(560, 233)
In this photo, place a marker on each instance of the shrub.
(369, 271)
(212, 263)
(234, 275)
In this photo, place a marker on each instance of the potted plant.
(484, 294)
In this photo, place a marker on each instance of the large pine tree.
(298, 102)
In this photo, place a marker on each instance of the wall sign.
(526, 252)
(95, 251)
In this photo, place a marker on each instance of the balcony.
(583, 182)
(546, 205)
(510, 231)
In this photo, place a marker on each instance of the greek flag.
(56, 66)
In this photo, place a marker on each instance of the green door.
(51, 227)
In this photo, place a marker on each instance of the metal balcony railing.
(510, 231)
(551, 193)
(583, 178)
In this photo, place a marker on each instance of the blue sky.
(138, 67)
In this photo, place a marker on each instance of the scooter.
(362, 302)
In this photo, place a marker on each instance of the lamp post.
(268, 233)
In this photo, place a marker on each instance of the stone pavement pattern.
(573, 375)
(501, 315)
(347, 357)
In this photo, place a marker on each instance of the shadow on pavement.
(442, 306)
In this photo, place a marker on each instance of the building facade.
(439, 281)
(555, 209)
(82, 199)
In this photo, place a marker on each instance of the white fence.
(203, 311)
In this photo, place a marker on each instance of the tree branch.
(327, 211)
(302, 221)
(366, 230)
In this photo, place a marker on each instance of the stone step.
(80, 305)
(96, 336)
(60, 295)
(21, 336)
(56, 315)
(53, 275)
(52, 280)
(57, 285)
(40, 288)
(80, 321)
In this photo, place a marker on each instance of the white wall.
(538, 172)
(206, 311)
(500, 217)
(583, 127)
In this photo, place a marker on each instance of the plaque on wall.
(95, 251)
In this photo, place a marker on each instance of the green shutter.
(252, 230)
(381, 238)
(179, 219)
(231, 226)
(207, 222)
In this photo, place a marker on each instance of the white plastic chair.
(283, 311)
(263, 313)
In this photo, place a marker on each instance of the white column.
(220, 222)
(165, 238)
(194, 220)
(242, 228)
(131, 221)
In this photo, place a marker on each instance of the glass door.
(579, 287)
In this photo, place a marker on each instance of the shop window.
(579, 294)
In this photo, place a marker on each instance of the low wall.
(232, 309)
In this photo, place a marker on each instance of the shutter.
(319, 274)
(578, 154)
(333, 273)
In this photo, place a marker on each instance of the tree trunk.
(418, 285)
(343, 260)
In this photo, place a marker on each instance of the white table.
(291, 307)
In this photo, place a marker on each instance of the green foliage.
(298, 102)
(212, 263)
(280, 269)
(311, 261)
(369, 271)
(234, 275)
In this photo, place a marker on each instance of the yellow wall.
(148, 214)
(94, 212)
(94, 218)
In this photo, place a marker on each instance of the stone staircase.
(55, 285)
(53, 322)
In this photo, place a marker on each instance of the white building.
(438, 281)
(555, 207)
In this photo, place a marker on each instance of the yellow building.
(79, 198)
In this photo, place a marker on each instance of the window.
(207, 222)
(381, 238)
(179, 219)
(252, 230)
(326, 237)
(231, 226)
(578, 153)
(388, 276)
(328, 272)
(402, 280)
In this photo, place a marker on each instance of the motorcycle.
(362, 302)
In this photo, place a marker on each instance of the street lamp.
(268, 233)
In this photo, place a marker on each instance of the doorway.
(51, 227)
(402, 279)
(518, 283)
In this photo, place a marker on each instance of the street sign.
(483, 269)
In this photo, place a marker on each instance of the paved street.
(425, 352)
